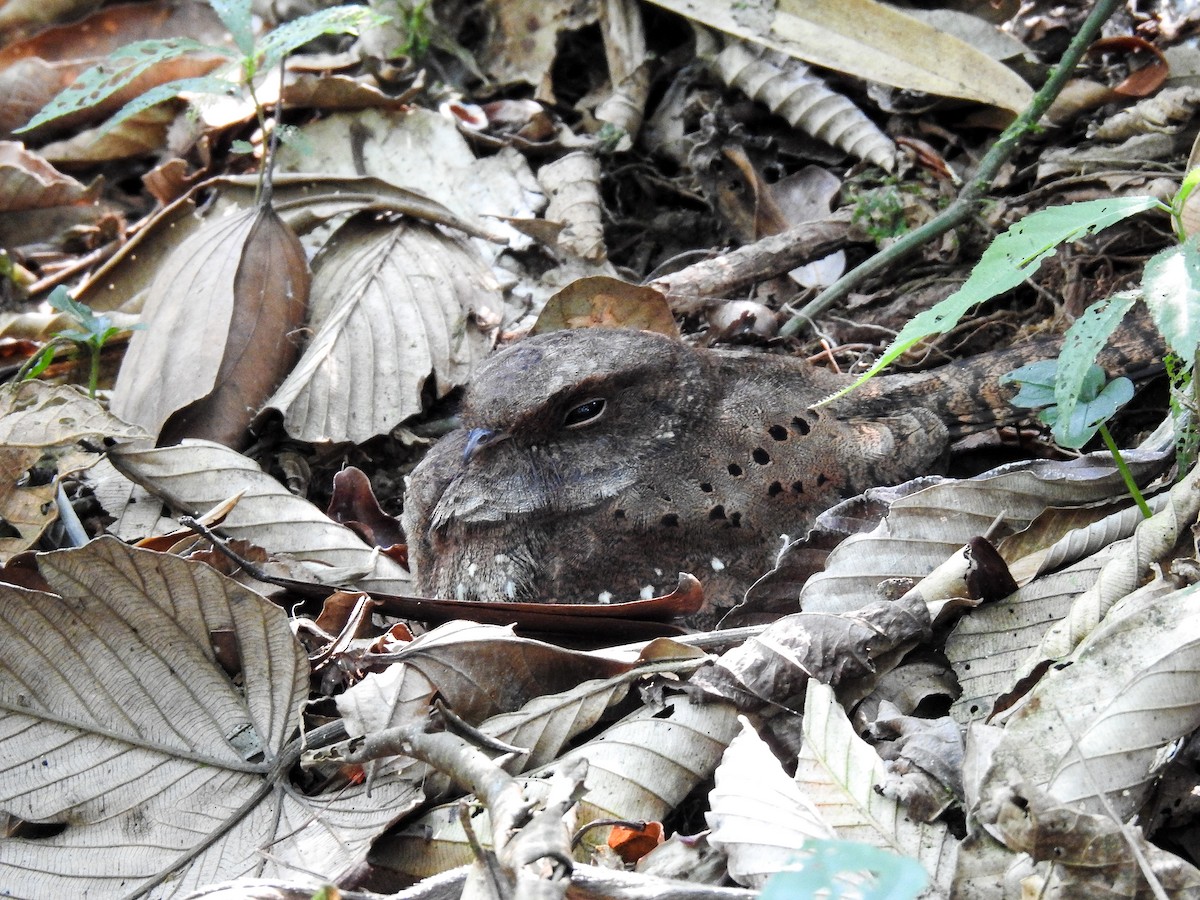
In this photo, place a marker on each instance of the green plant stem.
(1130, 484)
(94, 372)
(971, 196)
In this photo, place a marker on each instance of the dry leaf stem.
(967, 203)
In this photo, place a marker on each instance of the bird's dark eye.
(584, 413)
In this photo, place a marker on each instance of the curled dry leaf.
(121, 725)
(790, 89)
(832, 648)
(838, 771)
(572, 186)
(393, 303)
(870, 40)
(601, 301)
(759, 815)
(219, 319)
(27, 181)
(195, 476)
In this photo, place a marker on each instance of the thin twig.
(971, 196)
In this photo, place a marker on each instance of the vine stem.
(972, 194)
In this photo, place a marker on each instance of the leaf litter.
(164, 733)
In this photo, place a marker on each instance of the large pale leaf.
(120, 723)
(1102, 724)
(838, 772)
(195, 476)
(393, 305)
(867, 39)
(759, 815)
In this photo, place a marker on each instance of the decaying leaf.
(219, 320)
(122, 727)
(599, 300)
(393, 304)
(759, 815)
(195, 476)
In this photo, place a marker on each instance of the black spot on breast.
(778, 432)
(735, 470)
(822, 480)
(761, 456)
(797, 487)
(716, 513)
(618, 513)
(735, 520)
(670, 520)
(706, 487)
(775, 489)
(801, 425)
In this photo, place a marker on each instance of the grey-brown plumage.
(597, 464)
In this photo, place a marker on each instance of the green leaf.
(1089, 414)
(295, 34)
(1082, 344)
(1094, 403)
(235, 15)
(113, 74)
(1171, 286)
(833, 869)
(205, 84)
(1009, 260)
(1037, 383)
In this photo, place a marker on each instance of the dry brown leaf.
(196, 476)
(601, 301)
(219, 330)
(178, 761)
(33, 71)
(393, 305)
(27, 181)
(870, 40)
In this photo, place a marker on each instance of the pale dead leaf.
(153, 747)
(27, 181)
(195, 476)
(759, 815)
(221, 308)
(838, 771)
(393, 304)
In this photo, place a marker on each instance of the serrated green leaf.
(205, 84)
(1171, 285)
(113, 74)
(235, 15)
(295, 34)
(1009, 260)
(1082, 344)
